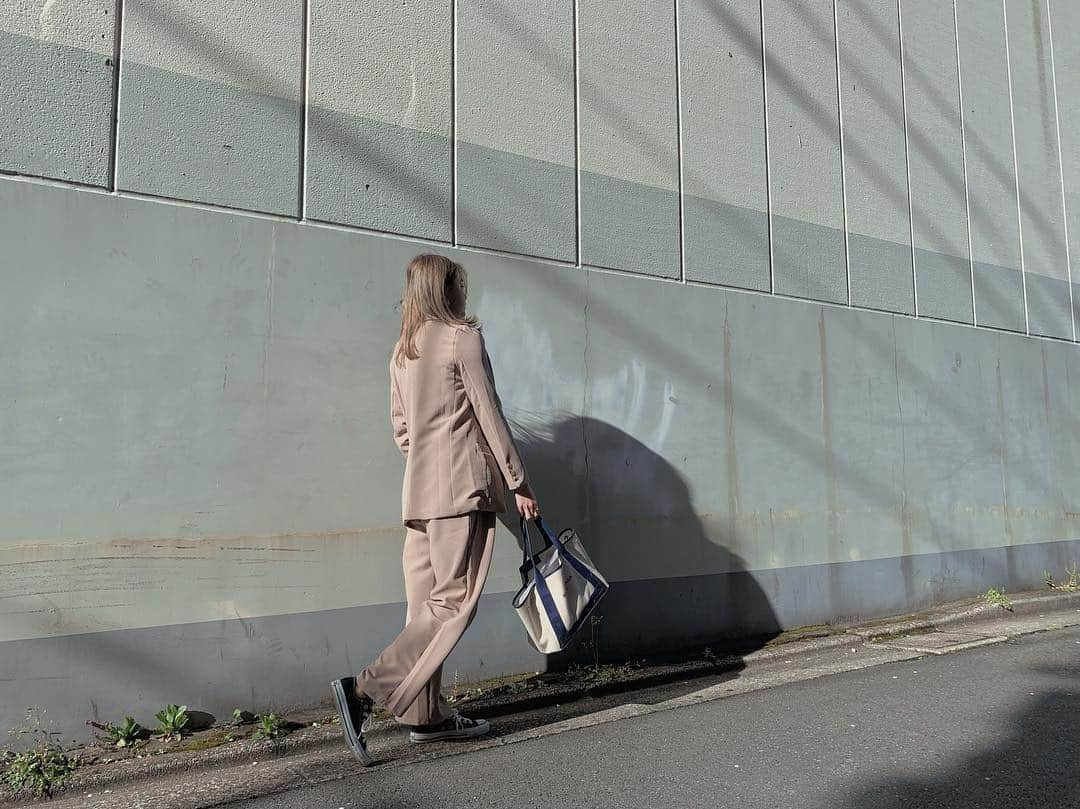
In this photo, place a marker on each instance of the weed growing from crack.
(997, 598)
(602, 674)
(270, 726)
(40, 769)
(126, 734)
(1071, 583)
(172, 722)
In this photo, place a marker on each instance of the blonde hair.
(429, 279)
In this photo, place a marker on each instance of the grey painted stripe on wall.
(1065, 24)
(809, 254)
(373, 174)
(629, 137)
(629, 226)
(726, 231)
(513, 203)
(936, 160)
(1038, 169)
(875, 160)
(991, 170)
(999, 295)
(516, 154)
(378, 141)
(56, 106)
(205, 113)
(194, 139)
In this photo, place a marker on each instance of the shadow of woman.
(674, 589)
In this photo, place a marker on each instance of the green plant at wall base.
(1074, 577)
(1072, 582)
(172, 722)
(122, 735)
(41, 769)
(602, 674)
(997, 598)
(270, 726)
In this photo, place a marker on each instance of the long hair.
(429, 280)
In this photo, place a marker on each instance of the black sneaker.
(455, 726)
(355, 713)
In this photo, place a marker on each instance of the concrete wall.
(779, 297)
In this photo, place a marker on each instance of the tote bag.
(560, 588)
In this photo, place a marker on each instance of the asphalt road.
(997, 726)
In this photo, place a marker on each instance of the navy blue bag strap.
(529, 559)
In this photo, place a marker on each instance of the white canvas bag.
(560, 588)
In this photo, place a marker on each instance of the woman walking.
(460, 465)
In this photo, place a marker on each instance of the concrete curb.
(970, 611)
(913, 644)
(310, 739)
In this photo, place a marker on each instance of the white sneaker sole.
(482, 727)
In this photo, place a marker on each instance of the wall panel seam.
(768, 173)
(1016, 166)
(843, 163)
(1061, 168)
(679, 144)
(963, 158)
(577, 132)
(114, 123)
(907, 155)
(453, 123)
(305, 81)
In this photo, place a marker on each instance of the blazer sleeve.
(479, 381)
(397, 417)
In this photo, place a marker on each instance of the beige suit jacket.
(448, 423)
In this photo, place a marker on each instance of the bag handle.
(547, 532)
(575, 563)
(530, 559)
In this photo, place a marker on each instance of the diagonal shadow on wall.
(633, 503)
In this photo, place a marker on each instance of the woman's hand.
(527, 506)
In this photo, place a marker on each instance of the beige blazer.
(448, 423)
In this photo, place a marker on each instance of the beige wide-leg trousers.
(446, 563)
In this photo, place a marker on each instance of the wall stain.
(1003, 452)
(834, 542)
(731, 458)
(56, 588)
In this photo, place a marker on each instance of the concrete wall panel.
(210, 102)
(1038, 168)
(875, 157)
(936, 161)
(1065, 26)
(516, 155)
(56, 98)
(629, 137)
(196, 403)
(378, 137)
(726, 231)
(991, 172)
(809, 254)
